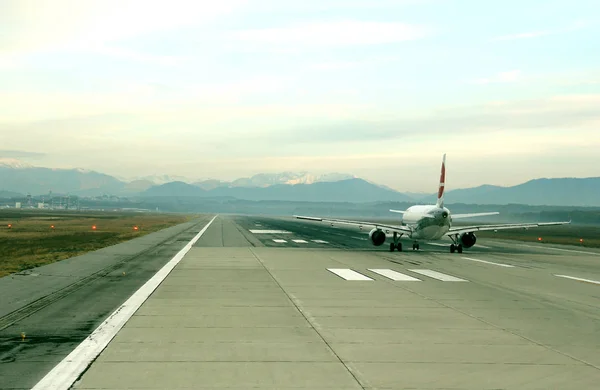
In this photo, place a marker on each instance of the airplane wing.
(389, 228)
(481, 228)
(397, 211)
(457, 216)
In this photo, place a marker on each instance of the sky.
(376, 88)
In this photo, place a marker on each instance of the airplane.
(430, 223)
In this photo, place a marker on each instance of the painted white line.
(489, 262)
(559, 249)
(482, 246)
(261, 231)
(280, 241)
(348, 274)
(394, 275)
(360, 238)
(63, 375)
(438, 275)
(579, 279)
(320, 242)
(300, 241)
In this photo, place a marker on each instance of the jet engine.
(468, 240)
(377, 237)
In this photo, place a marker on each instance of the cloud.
(525, 35)
(64, 24)
(20, 154)
(502, 77)
(534, 116)
(334, 33)
(130, 55)
(542, 33)
(141, 98)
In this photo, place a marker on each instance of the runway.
(276, 303)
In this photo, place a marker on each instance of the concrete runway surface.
(277, 303)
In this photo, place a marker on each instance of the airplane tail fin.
(440, 198)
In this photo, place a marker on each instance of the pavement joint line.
(312, 324)
(489, 262)
(243, 233)
(74, 365)
(579, 279)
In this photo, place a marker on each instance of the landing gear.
(455, 247)
(396, 244)
(415, 246)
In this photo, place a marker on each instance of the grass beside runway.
(562, 235)
(38, 238)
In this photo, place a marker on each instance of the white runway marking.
(482, 246)
(394, 275)
(360, 238)
(259, 231)
(279, 241)
(438, 275)
(558, 249)
(320, 241)
(579, 279)
(489, 262)
(63, 375)
(300, 241)
(348, 274)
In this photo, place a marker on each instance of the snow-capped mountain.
(13, 163)
(156, 179)
(263, 180)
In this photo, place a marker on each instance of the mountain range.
(21, 178)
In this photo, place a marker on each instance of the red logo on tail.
(442, 181)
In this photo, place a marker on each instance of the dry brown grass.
(32, 242)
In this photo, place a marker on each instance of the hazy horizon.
(378, 89)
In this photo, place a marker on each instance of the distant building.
(18, 205)
(40, 205)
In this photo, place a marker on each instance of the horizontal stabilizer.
(309, 218)
(457, 216)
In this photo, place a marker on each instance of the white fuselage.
(427, 222)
